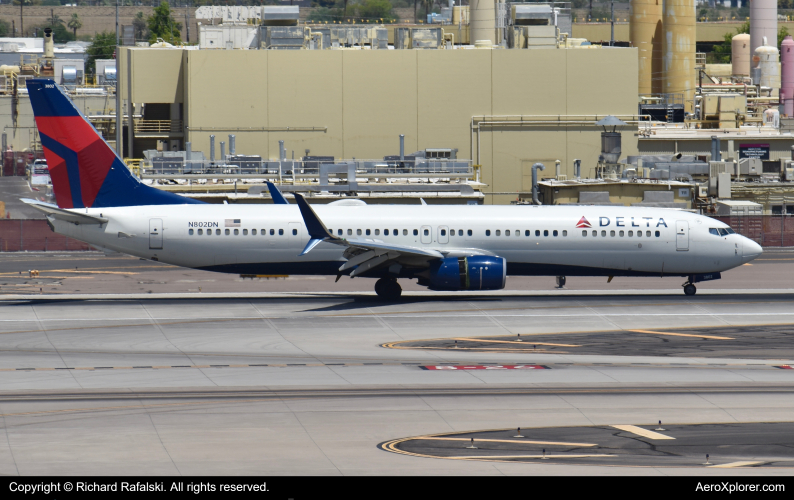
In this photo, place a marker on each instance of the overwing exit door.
(681, 235)
(155, 234)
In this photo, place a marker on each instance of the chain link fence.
(20, 235)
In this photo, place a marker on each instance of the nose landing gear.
(388, 288)
(689, 288)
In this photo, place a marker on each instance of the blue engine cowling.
(479, 272)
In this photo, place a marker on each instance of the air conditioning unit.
(703, 191)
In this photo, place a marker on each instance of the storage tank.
(49, 47)
(768, 58)
(679, 49)
(645, 33)
(482, 21)
(763, 23)
(740, 55)
(787, 76)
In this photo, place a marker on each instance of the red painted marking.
(485, 367)
(71, 131)
(95, 161)
(785, 367)
(60, 179)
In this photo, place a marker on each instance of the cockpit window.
(714, 231)
(723, 232)
(730, 231)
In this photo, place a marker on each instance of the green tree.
(324, 14)
(103, 47)
(75, 23)
(376, 10)
(139, 26)
(162, 25)
(5, 27)
(22, 4)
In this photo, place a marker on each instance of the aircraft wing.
(365, 254)
(64, 215)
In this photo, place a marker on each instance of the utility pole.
(119, 116)
(612, 23)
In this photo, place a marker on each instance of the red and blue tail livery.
(84, 169)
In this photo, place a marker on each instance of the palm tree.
(75, 24)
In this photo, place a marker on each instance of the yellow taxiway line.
(479, 440)
(683, 335)
(488, 341)
(641, 432)
(734, 464)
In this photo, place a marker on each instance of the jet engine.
(479, 272)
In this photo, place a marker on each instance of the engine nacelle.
(480, 272)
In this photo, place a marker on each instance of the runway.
(279, 380)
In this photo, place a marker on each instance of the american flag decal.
(583, 223)
(232, 223)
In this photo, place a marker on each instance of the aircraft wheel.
(388, 288)
(690, 289)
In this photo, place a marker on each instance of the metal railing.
(157, 126)
(309, 170)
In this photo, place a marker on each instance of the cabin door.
(155, 234)
(681, 235)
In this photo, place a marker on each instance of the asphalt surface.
(97, 375)
(729, 445)
(14, 188)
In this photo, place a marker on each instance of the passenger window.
(487, 232)
(518, 232)
(338, 232)
(565, 232)
(190, 232)
(603, 233)
(217, 232)
(648, 233)
(358, 232)
(395, 232)
(253, 232)
(498, 232)
(584, 233)
(658, 234)
(294, 232)
(245, 232)
(443, 232)
(526, 233)
(281, 232)
(537, 232)
(426, 232)
(385, 232)
(507, 232)
(595, 233)
(227, 232)
(622, 233)
(460, 232)
(639, 234)
(273, 231)
(631, 233)
(377, 232)
(545, 232)
(612, 233)
(209, 232)
(368, 232)
(416, 232)
(405, 232)
(236, 232)
(350, 232)
(469, 233)
(555, 233)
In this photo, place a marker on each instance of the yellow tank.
(460, 15)
(679, 49)
(645, 33)
(482, 21)
(740, 55)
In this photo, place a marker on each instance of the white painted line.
(538, 457)
(734, 464)
(641, 432)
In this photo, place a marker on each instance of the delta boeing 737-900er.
(469, 247)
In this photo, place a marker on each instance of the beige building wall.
(357, 103)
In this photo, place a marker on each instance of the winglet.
(317, 230)
(278, 198)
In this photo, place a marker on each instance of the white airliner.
(449, 247)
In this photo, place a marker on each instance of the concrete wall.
(360, 101)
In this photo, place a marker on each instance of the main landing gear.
(388, 288)
(689, 288)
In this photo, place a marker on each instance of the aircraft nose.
(751, 249)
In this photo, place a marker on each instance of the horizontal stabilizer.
(64, 215)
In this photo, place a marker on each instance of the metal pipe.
(282, 153)
(577, 168)
(212, 148)
(130, 107)
(223, 153)
(188, 150)
(402, 147)
(715, 148)
(556, 169)
(535, 167)
(232, 147)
